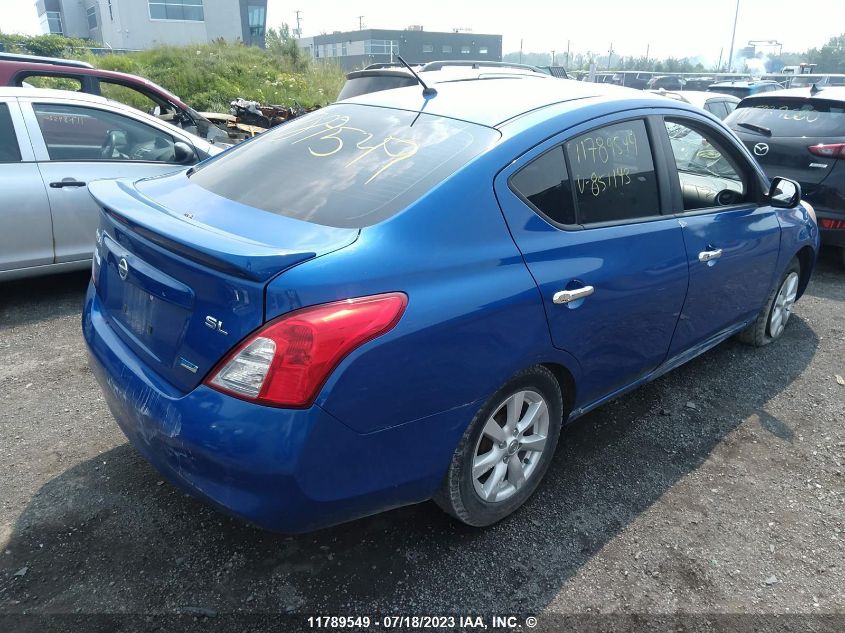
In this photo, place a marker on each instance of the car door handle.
(568, 296)
(68, 182)
(706, 256)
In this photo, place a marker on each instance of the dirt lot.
(717, 489)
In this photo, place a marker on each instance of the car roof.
(494, 101)
(835, 93)
(49, 93)
(55, 69)
(436, 72)
(744, 83)
(54, 61)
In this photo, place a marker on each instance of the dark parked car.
(377, 77)
(820, 81)
(64, 74)
(742, 89)
(699, 83)
(422, 289)
(667, 82)
(800, 133)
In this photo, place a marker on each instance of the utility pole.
(360, 22)
(647, 51)
(520, 51)
(298, 23)
(553, 57)
(609, 55)
(567, 54)
(733, 37)
(719, 65)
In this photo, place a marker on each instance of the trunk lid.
(790, 158)
(181, 271)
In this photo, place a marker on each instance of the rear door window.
(10, 152)
(613, 174)
(790, 116)
(346, 165)
(604, 176)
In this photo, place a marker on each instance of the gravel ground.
(717, 489)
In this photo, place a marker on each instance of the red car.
(49, 72)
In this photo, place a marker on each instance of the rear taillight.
(829, 150)
(287, 361)
(831, 223)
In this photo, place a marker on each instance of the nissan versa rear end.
(422, 287)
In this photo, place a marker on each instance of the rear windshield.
(786, 116)
(734, 91)
(373, 83)
(345, 166)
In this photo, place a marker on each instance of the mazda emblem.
(761, 149)
(123, 268)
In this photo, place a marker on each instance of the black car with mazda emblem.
(800, 134)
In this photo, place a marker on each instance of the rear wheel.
(505, 451)
(771, 322)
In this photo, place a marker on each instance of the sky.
(678, 28)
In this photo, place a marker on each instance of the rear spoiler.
(225, 252)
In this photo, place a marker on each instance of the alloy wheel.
(782, 308)
(510, 446)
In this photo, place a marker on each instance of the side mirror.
(784, 193)
(184, 153)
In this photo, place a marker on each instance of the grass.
(209, 76)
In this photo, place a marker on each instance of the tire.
(462, 495)
(767, 327)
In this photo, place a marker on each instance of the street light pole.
(733, 38)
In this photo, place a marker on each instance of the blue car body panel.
(479, 268)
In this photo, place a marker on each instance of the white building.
(140, 24)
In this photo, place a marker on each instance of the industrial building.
(356, 49)
(141, 24)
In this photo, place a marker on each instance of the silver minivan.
(52, 144)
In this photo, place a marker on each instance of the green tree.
(830, 57)
(283, 46)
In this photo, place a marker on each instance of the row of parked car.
(53, 142)
(440, 273)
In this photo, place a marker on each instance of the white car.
(718, 104)
(52, 144)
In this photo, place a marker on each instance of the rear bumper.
(829, 202)
(832, 237)
(283, 469)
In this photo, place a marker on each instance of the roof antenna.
(427, 92)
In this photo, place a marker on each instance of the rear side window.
(346, 166)
(787, 116)
(544, 183)
(9, 150)
(52, 82)
(717, 108)
(613, 174)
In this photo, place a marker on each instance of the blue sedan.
(404, 296)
